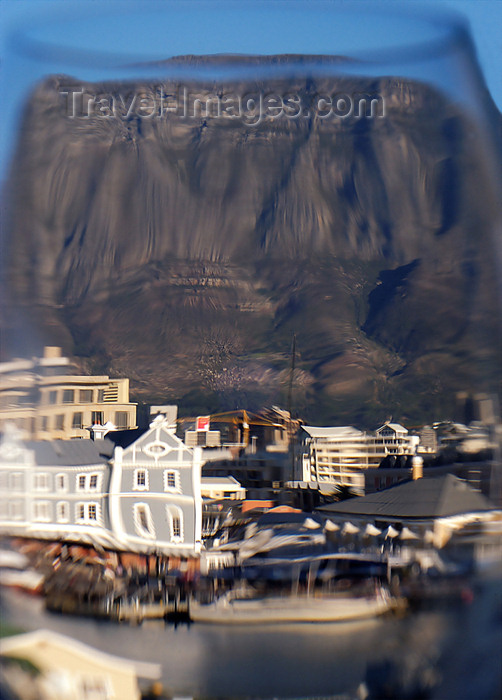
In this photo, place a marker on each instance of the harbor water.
(449, 650)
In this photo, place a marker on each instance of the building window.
(4, 510)
(122, 419)
(59, 422)
(97, 418)
(172, 480)
(41, 511)
(16, 510)
(85, 395)
(78, 420)
(95, 688)
(16, 481)
(111, 393)
(101, 395)
(11, 510)
(62, 512)
(53, 397)
(141, 481)
(175, 523)
(88, 482)
(41, 482)
(44, 423)
(87, 512)
(61, 482)
(68, 396)
(143, 520)
(176, 527)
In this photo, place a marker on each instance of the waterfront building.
(253, 448)
(155, 497)
(477, 473)
(428, 440)
(135, 490)
(435, 508)
(261, 473)
(466, 439)
(47, 399)
(215, 487)
(69, 669)
(270, 429)
(54, 489)
(340, 455)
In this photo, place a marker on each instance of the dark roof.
(124, 438)
(105, 447)
(229, 480)
(434, 497)
(276, 518)
(65, 453)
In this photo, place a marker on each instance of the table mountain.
(186, 252)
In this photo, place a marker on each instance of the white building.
(339, 455)
(133, 491)
(71, 670)
(217, 487)
(155, 500)
(47, 399)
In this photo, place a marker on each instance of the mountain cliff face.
(186, 252)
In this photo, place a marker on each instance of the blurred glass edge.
(364, 31)
(374, 37)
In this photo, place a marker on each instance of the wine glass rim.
(435, 33)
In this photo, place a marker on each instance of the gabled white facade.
(155, 494)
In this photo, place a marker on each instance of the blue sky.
(484, 16)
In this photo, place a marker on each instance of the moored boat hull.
(273, 609)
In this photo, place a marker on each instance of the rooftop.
(434, 497)
(219, 480)
(337, 432)
(66, 453)
(397, 427)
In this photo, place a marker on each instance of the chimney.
(52, 351)
(417, 467)
(98, 432)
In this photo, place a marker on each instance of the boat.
(238, 606)
(29, 580)
(15, 572)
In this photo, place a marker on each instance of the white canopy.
(330, 526)
(311, 524)
(13, 560)
(390, 532)
(407, 534)
(349, 529)
(255, 543)
(251, 530)
(429, 537)
(371, 531)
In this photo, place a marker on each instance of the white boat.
(235, 608)
(28, 580)
(16, 573)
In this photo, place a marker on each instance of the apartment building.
(340, 455)
(47, 399)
